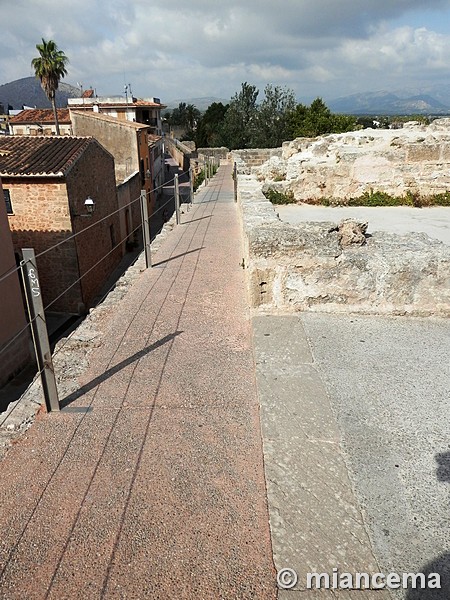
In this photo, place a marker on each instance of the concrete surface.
(434, 221)
(315, 518)
(389, 383)
(356, 420)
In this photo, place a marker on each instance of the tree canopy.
(247, 123)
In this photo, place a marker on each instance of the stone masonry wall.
(247, 159)
(217, 153)
(119, 138)
(41, 219)
(130, 215)
(414, 159)
(303, 267)
(99, 250)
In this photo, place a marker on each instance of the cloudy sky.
(194, 48)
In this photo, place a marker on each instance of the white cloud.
(177, 49)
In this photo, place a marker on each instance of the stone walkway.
(150, 482)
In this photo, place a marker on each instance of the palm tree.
(50, 67)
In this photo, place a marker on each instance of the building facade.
(132, 146)
(47, 181)
(15, 338)
(146, 111)
(40, 121)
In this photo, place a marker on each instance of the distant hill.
(27, 91)
(200, 103)
(388, 103)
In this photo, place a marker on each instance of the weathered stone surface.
(351, 233)
(303, 267)
(413, 159)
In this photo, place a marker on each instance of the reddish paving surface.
(157, 490)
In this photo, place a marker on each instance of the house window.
(8, 203)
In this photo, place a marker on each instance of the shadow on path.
(98, 380)
(163, 262)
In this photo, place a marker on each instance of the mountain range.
(391, 103)
(28, 92)
(433, 99)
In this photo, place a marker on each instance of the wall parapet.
(304, 268)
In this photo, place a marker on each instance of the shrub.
(277, 197)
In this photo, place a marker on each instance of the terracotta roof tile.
(41, 115)
(119, 104)
(22, 156)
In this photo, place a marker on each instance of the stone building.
(40, 121)
(47, 181)
(140, 110)
(135, 151)
(15, 347)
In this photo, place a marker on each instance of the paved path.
(150, 483)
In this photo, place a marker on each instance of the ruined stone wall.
(218, 153)
(303, 267)
(415, 159)
(246, 160)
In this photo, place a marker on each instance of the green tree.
(240, 118)
(210, 126)
(192, 115)
(272, 122)
(50, 68)
(317, 119)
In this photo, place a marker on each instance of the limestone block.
(423, 152)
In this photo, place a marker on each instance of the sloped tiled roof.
(23, 156)
(78, 103)
(41, 115)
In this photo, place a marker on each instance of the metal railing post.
(146, 229)
(191, 185)
(177, 199)
(39, 329)
(235, 181)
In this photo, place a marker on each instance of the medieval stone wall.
(415, 159)
(304, 267)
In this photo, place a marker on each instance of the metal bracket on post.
(145, 229)
(177, 199)
(191, 185)
(39, 329)
(235, 181)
